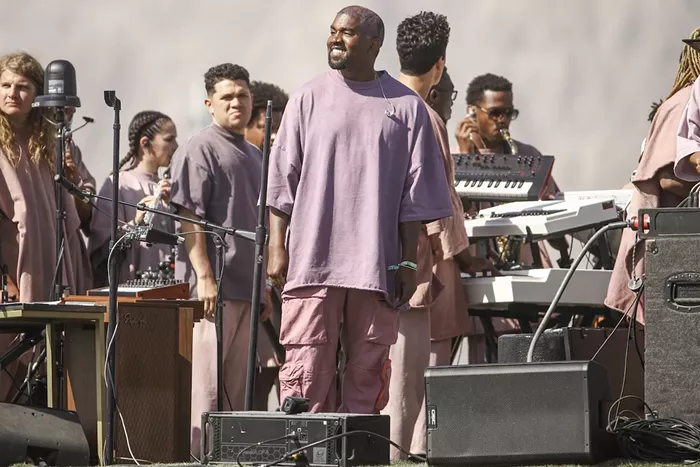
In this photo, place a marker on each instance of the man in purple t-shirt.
(354, 171)
(216, 177)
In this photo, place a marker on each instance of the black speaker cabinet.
(227, 434)
(518, 414)
(31, 434)
(672, 313)
(582, 344)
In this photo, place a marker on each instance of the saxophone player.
(486, 130)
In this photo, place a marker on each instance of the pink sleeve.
(688, 136)
(286, 158)
(426, 194)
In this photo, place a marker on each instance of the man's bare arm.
(277, 258)
(196, 246)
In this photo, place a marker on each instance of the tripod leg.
(32, 371)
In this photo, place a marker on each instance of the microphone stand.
(112, 101)
(113, 283)
(58, 288)
(260, 240)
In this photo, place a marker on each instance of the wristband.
(405, 264)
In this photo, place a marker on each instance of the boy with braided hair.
(152, 143)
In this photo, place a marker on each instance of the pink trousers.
(236, 335)
(310, 331)
(412, 353)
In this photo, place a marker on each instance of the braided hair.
(147, 123)
(688, 72)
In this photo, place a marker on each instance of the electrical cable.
(343, 435)
(565, 282)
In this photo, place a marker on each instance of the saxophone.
(508, 248)
(509, 140)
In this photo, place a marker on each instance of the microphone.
(60, 88)
(83, 196)
(147, 234)
(149, 215)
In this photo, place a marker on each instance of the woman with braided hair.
(152, 143)
(654, 184)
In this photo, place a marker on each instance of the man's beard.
(338, 64)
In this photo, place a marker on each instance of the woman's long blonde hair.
(42, 142)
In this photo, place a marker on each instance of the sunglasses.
(494, 114)
(453, 95)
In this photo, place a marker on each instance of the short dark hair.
(444, 79)
(370, 22)
(487, 82)
(421, 41)
(223, 72)
(263, 92)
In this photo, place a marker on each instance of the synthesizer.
(542, 218)
(501, 177)
(621, 198)
(587, 287)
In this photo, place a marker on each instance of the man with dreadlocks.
(654, 185)
(354, 172)
(152, 143)
(687, 164)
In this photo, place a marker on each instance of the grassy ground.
(617, 463)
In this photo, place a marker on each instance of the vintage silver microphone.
(148, 219)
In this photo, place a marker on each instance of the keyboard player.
(490, 111)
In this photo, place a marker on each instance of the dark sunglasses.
(498, 112)
(453, 95)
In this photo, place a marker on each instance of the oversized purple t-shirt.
(216, 175)
(348, 171)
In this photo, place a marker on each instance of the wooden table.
(52, 316)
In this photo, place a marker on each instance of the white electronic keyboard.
(587, 287)
(621, 198)
(544, 218)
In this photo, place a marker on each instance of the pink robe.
(449, 316)
(28, 238)
(688, 135)
(134, 185)
(659, 152)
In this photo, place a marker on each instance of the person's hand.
(266, 310)
(164, 186)
(436, 247)
(12, 291)
(468, 138)
(69, 167)
(474, 264)
(277, 264)
(405, 286)
(138, 219)
(206, 291)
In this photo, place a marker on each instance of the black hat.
(694, 43)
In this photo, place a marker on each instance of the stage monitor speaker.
(672, 314)
(226, 434)
(582, 344)
(34, 435)
(518, 414)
